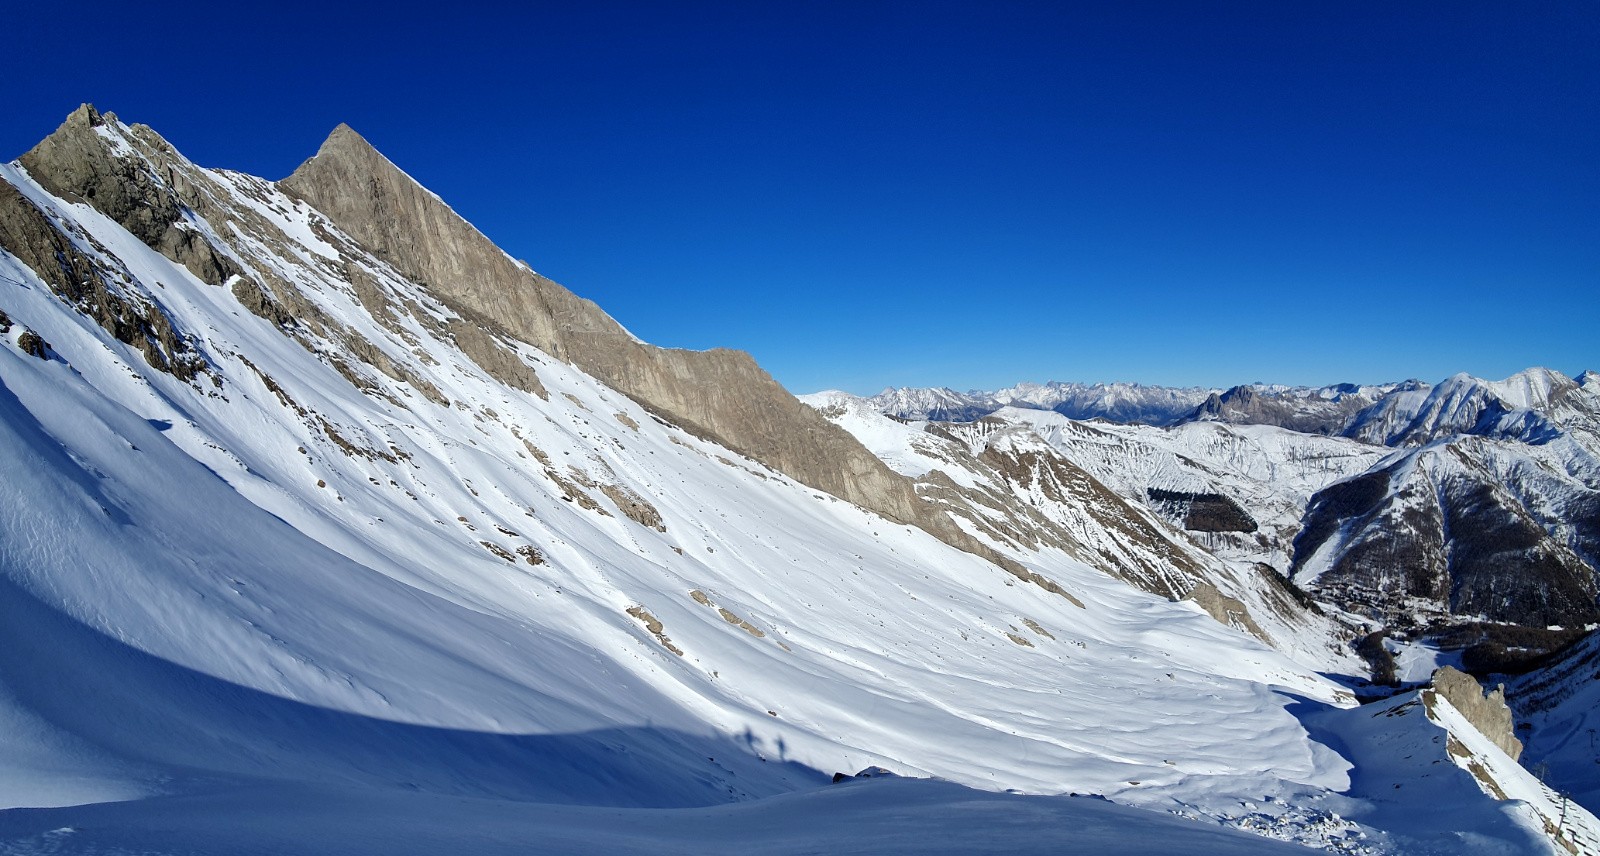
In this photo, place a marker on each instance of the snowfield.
(345, 591)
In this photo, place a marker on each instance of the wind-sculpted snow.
(385, 572)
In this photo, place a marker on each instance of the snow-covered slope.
(1267, 472)
(285, 537)
(1027, 477)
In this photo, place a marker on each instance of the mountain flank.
(720, 394)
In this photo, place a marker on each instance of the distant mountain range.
(1114, 402)
(1392, 414)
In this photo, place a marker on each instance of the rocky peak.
(345, 149)
(88, 117)
(1243, 396)
(87, 159)
(134, 177)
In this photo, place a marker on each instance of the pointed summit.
(393, 215)
(344, 144)
(86, 116)
(85, 160)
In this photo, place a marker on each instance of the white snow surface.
(1415, 662)
(903, 445)
(237, 614)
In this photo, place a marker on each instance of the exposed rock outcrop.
(253, 297)
(33, 345)
(655, 628)
(1228, 610)
(1486, 711)
(79, 165)
(92, 287)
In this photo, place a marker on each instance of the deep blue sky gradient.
(963, 194)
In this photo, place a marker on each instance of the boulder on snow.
(32, 343)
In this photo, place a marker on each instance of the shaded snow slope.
(857, 817)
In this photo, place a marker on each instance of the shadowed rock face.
(1202, 512)
(721, 394)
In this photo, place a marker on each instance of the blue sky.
(962, 194)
